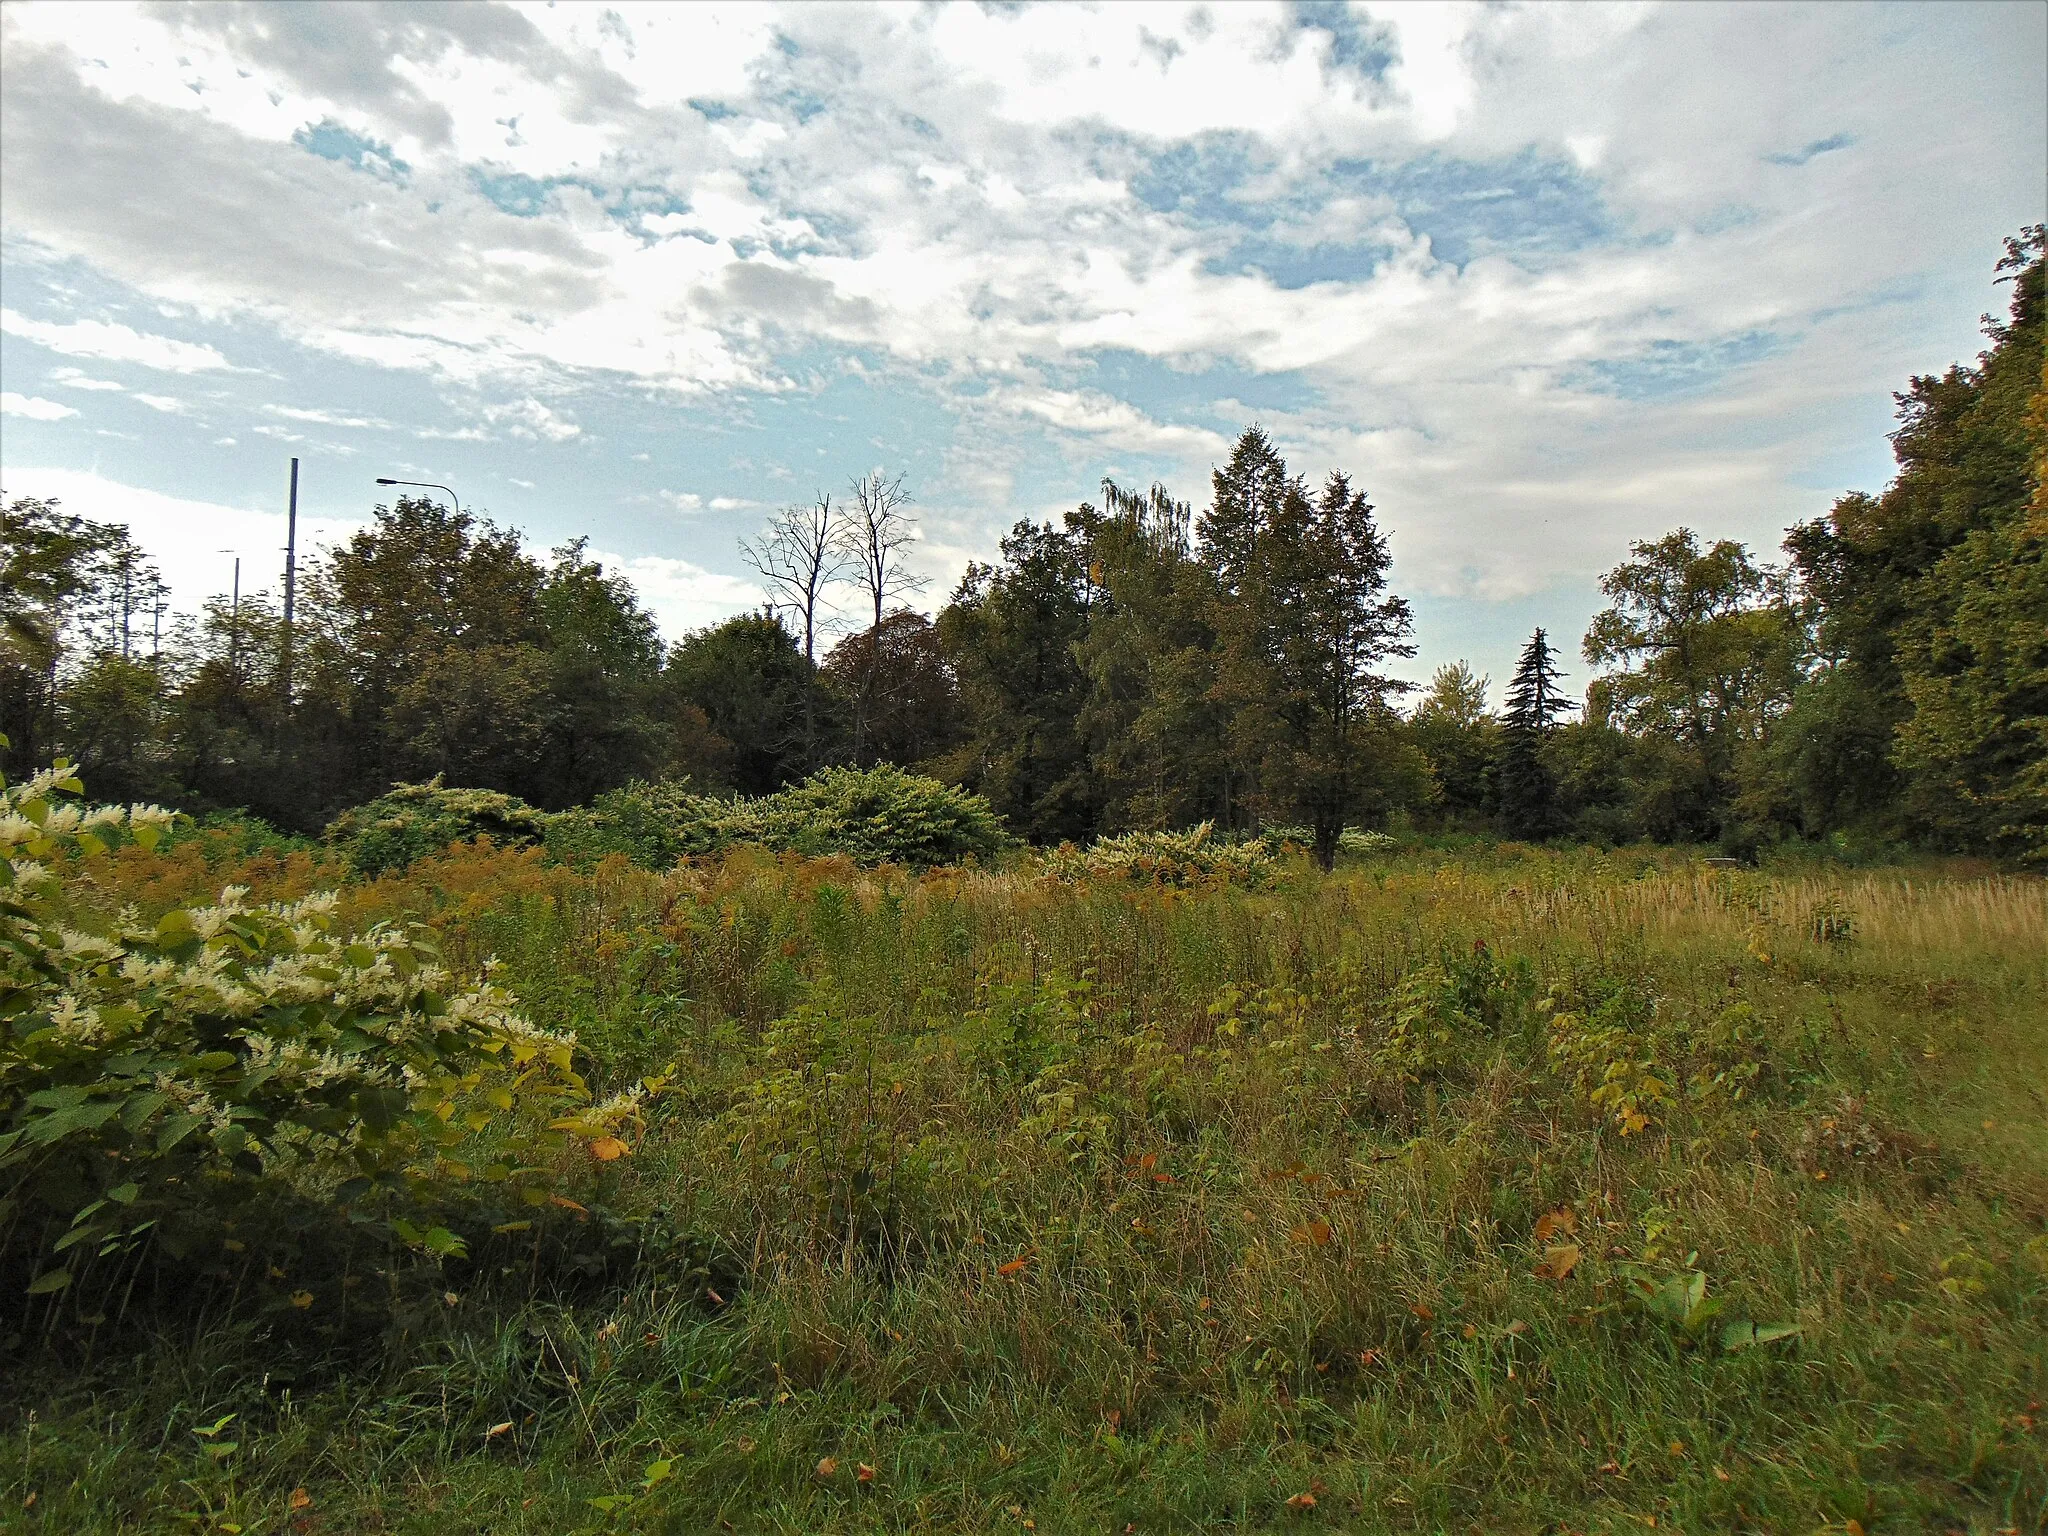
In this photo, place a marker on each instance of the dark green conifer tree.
(1527, 789)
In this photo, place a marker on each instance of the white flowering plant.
(147, 1065)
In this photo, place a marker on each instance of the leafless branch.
(874, 536)
(797, 555)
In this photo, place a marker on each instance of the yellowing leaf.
(301, 1499)
(827, 1466)
(302, 1299)
(1301, 1503)
(607, 1148)
(1559, 1260)
(1015, 1266)
(1315, 1233)
(1563, 1219)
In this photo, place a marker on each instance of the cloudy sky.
(1542, 278)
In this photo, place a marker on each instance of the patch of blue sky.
(1817, 148)
(516, 193)
(1175, 394)
(1488, 634)
(1198, 178)
(1368, 51)
(331, 141)
(1672, 368)
(1910, 288)
(529, 197)
(799, 103)
(1290, 265)
(1531, 205)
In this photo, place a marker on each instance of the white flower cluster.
(238, 1027)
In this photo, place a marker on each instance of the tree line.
(1136, 665)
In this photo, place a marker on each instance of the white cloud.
(528, 418)
(192, 541)
(987, 213)
(524, 485)
(682, 596)
(325, 418)
(169, 404)
(113, 342)
(76, 378)
(34, 407)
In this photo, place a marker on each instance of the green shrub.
(1193, 857)
(237, 834)
(870, 815)
(878, 815)
(1353, 841)
(153, 1072)
(414, 820)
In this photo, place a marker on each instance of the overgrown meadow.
(1492, 1189)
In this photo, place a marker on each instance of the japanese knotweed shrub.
(414, 820)
(1190, 858)
(879, 815)
(153, 1072)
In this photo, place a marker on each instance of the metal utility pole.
(127, 601)
(291, 567)
(235, 621)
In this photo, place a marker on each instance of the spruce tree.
(1527, 788)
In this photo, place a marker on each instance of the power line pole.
(235, 624)
(291, 566)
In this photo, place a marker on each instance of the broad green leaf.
(1747, 1335)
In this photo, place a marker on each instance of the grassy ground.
(1396, 1200)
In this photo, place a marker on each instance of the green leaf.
(124, 1194)
(657, 1472)
(55, 1280)
(176, 1129)
(1747, 1335)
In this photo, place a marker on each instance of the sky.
(1542, 279)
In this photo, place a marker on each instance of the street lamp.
(454, 502)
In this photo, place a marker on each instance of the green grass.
(1101, 1208)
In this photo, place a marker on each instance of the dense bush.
(878, 815)
(1353, 841)
(881, 815)
(651, 824)
(414, 820)
(153, 1074)
(1193, 857)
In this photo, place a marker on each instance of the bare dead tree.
(797, 555)
(874, 536)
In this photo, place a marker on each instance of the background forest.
(1139, 666)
